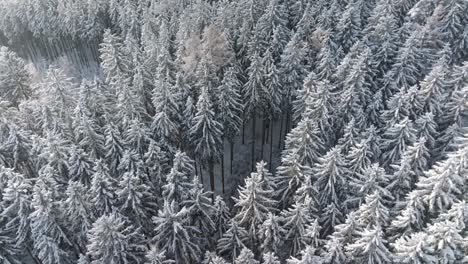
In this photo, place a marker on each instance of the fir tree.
(233, 240)
(270, 233)
(246, 256)
(370, 247)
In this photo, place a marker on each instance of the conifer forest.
(233, 131)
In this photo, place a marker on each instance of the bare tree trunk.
(232, 155)
(253, 141)
(263, 137)
(222, 167)
(280, 131)
(271, 143)
(212, 183)
(243, 128)
(200, 165)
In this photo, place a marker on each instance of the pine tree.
(233, 240)
(207, 134)
(14, 78)
(112, 240)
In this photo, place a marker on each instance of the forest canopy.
(233, 131)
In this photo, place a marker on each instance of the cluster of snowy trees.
(354, 110)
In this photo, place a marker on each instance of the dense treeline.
(366, 101)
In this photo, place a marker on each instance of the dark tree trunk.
(253, 140)
(243, 129)
(271, 143)
(231, 156)
(263, 137)
(212, 183)
(200, 168)
(280, 131)
(222, 167)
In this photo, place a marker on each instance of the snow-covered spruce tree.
(230, 112)
(373, 211)
(77, 211)
(292, 71)
(113, 240)
(327, 58)
(255, 97)
(396, 139)
(270, 258)
(413, 249)
(405, 103)
(334, 252)
(254, 203)
(212, 258)
(233, 240)
(222, 215)
(178, 184)
(409, 168)
(113, 146)
(289, 176)
(373, 178)
(175, 234)
(9, 252)
(88, 134)
(201, 210)
(295, 221)
(308, 255)
(135, 198)
(206, 133)
(15, 83)
(370, 247)
(164, 125)
(115, 63)
(270, 234)
(102, 190)
(49, 236)
(15, 203)
(80, 165)
(427, 128)
(349, 26)
(329, 172)
(246, 257)
(156, 256)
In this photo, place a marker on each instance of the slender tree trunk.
(267, 130)
(222, 167)
(280, 131)
(200, 165)
(232, 155)
(243, 131)
(196, 168)
(271, 143)
(36, 260)
(288, 121)
(263, 137)
(212, 183)
(253, 141)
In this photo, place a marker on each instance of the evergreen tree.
(270, 258)
(156, 256)
(254, 203)
(102, 191)
(246, 256)
(270, 233)
(14, 78)
(295, 222)
(175, 235)
(233, 240)
(396, 139)
(206, 134)
(112, 240)
(370, 247)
